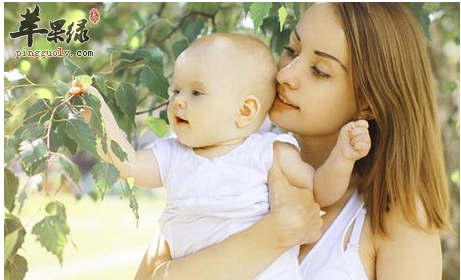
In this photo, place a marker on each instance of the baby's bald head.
(239, 62)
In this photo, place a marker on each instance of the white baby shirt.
(209, 200)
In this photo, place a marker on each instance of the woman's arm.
(409, 253)
(294, 219)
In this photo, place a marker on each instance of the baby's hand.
(354, 140)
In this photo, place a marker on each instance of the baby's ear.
(248, 112)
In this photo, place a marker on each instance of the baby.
(215, 172)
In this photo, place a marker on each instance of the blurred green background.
(104, 241)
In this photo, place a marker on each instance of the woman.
(346, 61)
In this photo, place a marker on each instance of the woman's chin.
(282, 120)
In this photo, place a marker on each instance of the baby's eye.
(319, 73)
(196, 93)
(174, 91)
(291, 52)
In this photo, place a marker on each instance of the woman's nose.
(288, 76)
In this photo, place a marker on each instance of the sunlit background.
(106, 240)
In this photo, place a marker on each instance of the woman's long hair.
(392, 73)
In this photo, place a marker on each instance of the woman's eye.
(196, 93)
(319, 73)
(291, 52)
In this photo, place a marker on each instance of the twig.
(181, 21)
(123, 67)
(152, 109)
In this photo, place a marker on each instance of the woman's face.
(315, 95)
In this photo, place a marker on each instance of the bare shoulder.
(408, 252)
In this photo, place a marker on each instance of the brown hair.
(392, 73)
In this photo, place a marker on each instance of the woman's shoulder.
(397, 225)
(408, 247)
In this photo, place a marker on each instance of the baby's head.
(222, 89)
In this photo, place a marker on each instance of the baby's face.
(205, 99)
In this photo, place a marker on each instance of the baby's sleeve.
(164, 151)
(270, 139)
(287, 138)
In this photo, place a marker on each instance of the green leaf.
(73, 68)
(259, 11)
(454, 177)
(296, 11)
(100, 85)
(10, 242)
(11, 146)
(96, 121)
(121, 118)
(52, 231)
(152, 77)
(6, 115)
(105, 175)
(39, 112)
(179, 47)
(32, 131)
(158, 126)
(32, 151)
(128, 191)
(80, 132)
(130, 29)
(68, 142)
(164, 116)
(125, 98)
(61, 87)
(154, 55)
(282, 16)
(204, 7)
(12, 224)
(85, 80)
(16, 269)
(246, 7)
(56, 141)
(70, 168)
(192, 28)
(118, 151)
(448, 86)
(10, 189)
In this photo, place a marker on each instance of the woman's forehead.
(320, 29)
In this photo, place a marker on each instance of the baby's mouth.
(181, 121)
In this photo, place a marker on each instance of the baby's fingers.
(357, 131)
(362, 147)
(360, 123)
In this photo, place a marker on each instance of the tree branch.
(152, 109)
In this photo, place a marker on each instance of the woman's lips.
(284, 103)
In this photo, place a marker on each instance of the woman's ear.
(366, 114)
(364, 111)
(248, 111)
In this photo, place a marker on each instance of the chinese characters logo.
(94, 16)
(28, 27)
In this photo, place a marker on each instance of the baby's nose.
(180, 103)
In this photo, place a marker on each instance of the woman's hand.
(294, 208)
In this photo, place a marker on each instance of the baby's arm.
(329, 181)
(297, 172)
(332, 178)
(141, 165)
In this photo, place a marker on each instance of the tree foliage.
(135, 46)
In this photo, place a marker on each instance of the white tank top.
(327, 260)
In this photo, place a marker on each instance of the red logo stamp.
(94, 16)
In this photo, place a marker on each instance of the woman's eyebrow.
(297, 35)
(323, 54)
